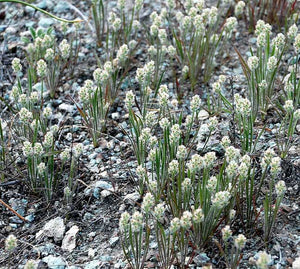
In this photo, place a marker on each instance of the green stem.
(39, 9)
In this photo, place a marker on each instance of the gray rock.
(66, 107)
(105, 258)
(115, 115)
(69, 241)
(113, 241)
(45, 4)
(61, 7)
(45, 250)
(55, 228)
(103, 185)
(45, 22)
(54, 262)
(132, 198)
(119, 264)
(201, 259)
(92, 265)
(252, 40)
(105, 193)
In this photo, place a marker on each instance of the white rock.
(91, 253)
(203, 114)
(66, 107)
(115, 115)
(296, 263)
(55, 228)
(69, 241)
(132, 198)
(105, 193)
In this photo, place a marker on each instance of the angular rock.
(132, 198)
(69, 241)
(54, 262)
(55, 228)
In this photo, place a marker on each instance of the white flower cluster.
(221, 199)
(272, 63)
(243, 105)
(181, 152)
(262, 31)
(136, 221)
(129, 100)
(230, 25)
(163, 94)
(173, 167)
(65, 49)
(267, 158)
(280, 188)
(240, 241)
(16, 65)
(175, 133)
(292, 32)
(195, 163)
(41, 68)
(145, 74)
(164, 123)
(148, 202)
(195, 103)
(297, 43)
(226, 233)
(253, 62)
(239, 8)
(159, 211)
(25, 115)
(122, 53)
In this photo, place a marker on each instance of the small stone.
(54, 262)
(203, 114)
(69, 241)
(103, 175)
(91, 253)
(201, 259)
(132, 198)
(115, 115)
(66, 107)
(11, 30)
(113, 241)
(61, 7)
(103, 185)
(105, 258)
(105, 193)
(69, 137)
(119, 264)
(55, 228)
(45, 22)
(93, 265)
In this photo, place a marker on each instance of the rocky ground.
(85, 234)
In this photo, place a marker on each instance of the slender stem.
(40, 10)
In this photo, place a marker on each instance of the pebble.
(119, 264)
(55, 228)
(103, 185)
(115, 115)
(201, 259)
(61, 7)
(132, 198)
(105, 258)
(93, 265)
(113, 241)
(69, 241)
(54, 262)
(45, 22)
(66, 107)
(105, 193)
